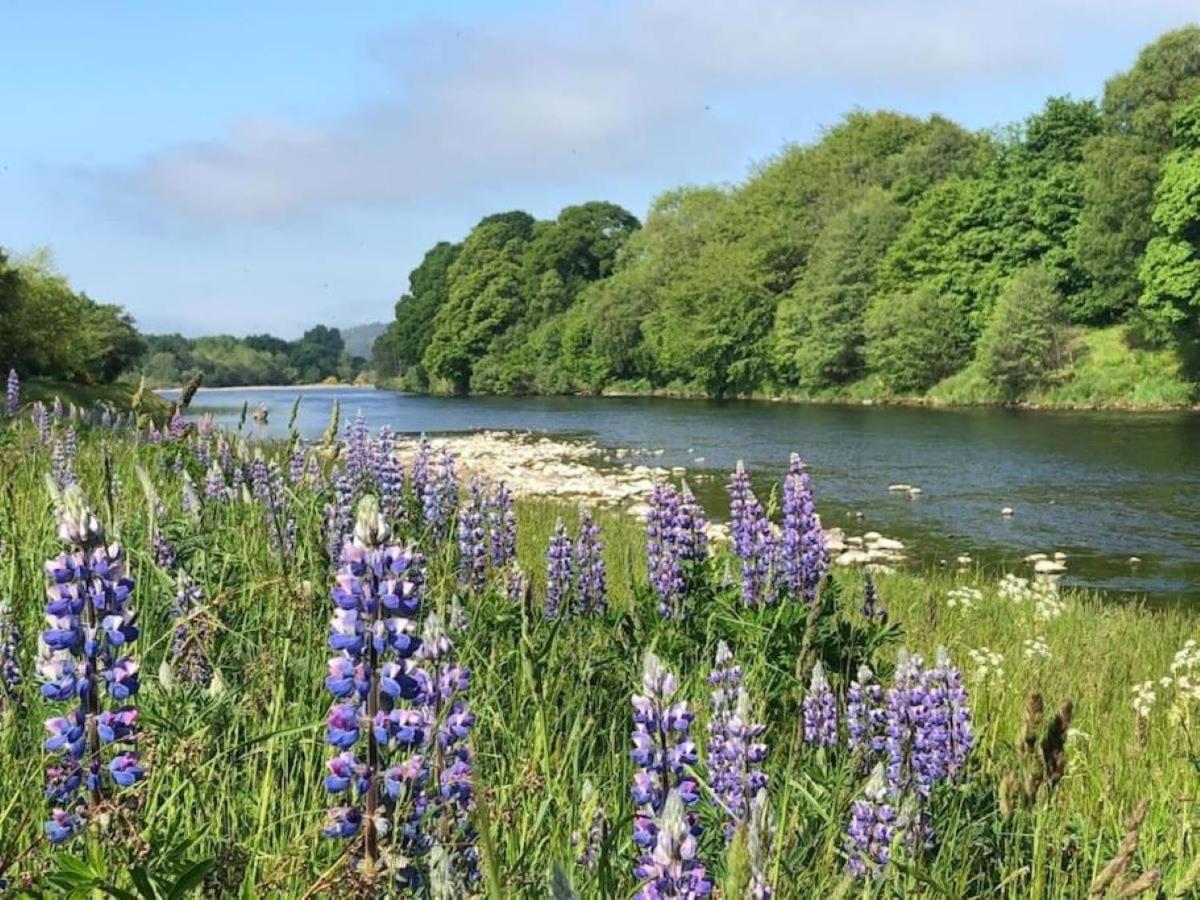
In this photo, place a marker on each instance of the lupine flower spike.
(820, 711)
(90, 627)
(13, 392)
(558, 572)
(734, 750)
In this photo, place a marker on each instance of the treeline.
(49, 330)
(226, 361)
(895, 251)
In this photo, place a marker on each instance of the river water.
(1101, 487)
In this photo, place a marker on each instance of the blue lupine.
(676, 546)
(376, 597)
(296, 462)
(281, 525)
(13, 392)
(872, 829)
(558, 571)
(591, 583)
(872, 609)
(41, 420)
(191, 637)
(472, 539)
(90, 626)
(753, 541)
(389, 477)
(502, 526)
(804, 559)
(866, 719)
(62, 458)
(358, 453)
(439, 499)
(662, 749)
(673, 871)
(820, 711)
(422, 461)
(734, 751)
(449, 796)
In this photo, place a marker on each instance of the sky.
(229, 167)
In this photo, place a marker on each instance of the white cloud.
(620, 87)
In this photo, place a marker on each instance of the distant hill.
(359, 338)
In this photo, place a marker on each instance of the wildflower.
(62, 458)
(872, 609)
(558, 570)
(989, 665)
(820, 711)
(376, 597)
(591, 587)
(192, 637)
(866, 720)
(13, 392)
(734, 750)
(502, 526)
(676, 546)
(472, 540)
(10, 663)
(439, 498)
(1144, 698)
(928, 725)
(673, 869)
(873, 827)
(389, 476)
(90, 627)
(1036, 648)
(803, 557)
(661, 751)
(516, 585)
(963, 598)
(753, 542)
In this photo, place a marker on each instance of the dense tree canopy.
(893, 248)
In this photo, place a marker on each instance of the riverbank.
(118, 395)
(1105, 373)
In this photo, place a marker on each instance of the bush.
(915, 340)
(1026, 337)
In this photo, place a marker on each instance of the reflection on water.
(1101, 487)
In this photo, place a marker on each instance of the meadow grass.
(237, 778)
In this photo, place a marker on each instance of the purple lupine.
(516, 584)
(872, 829)
(662, 749)
(260, 480)
(673, 869)
(176, 427)
(753, 541)
(41, 420)
(804, 559)
(866, 718)
(281, 526)
(90, 627)
(189, 497)
(439, 499)
(389, 477)
(472, 539)
(13, 392)
(734, 750)
(422, 462)
(376, 598)
(558, 572)
(662, 553)
(928, 725)
(358, 451)
(820, 711)
(191, 638)
(502, 526)
(214, 484)
(872, 609)
(296, 462)
(591, 584)
(450, 796)
(62, 458)
(339, 513)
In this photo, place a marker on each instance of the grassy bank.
(118, 395)
(235, 775)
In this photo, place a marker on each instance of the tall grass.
(236, 778)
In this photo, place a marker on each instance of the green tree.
(1026, 339)
(1170, 272)
(819, 325)
(916, 339)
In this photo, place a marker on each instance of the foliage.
(916, 339)
(1025, 342)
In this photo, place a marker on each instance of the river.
(1100, 487)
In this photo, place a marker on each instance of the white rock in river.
(1049, 567)
(1035, 557)
(1007, 511)
(872, 536)
(852, 558)
(854, 541)
(1134, 560)
(678, 470)
(915, 492)
(888, 544)
(899, 488)
(1060, 556)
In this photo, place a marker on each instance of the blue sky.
(237, 167)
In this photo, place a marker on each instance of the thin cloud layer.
(622, 88)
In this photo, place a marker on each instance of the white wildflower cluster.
(1041, 594)
(988, 665)
(963, 598)
(1144, 699)
(1185, 680)
(1036, 648)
